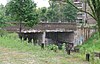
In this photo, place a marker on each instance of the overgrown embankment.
(92, 44)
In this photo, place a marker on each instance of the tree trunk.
(98, 22)
(99, 27)
(20, 28)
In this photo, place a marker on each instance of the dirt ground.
(9, 56)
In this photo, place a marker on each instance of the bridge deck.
(48, 27)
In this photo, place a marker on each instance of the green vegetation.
(46, 56)
(12, 41)
(2, 14)
(3, 17)
(26, 11)
(40, 56)
(22, 11)
(92, 44)
(58, 12)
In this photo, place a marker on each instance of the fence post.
(68, 52)
(87, 57)
(99, 55)
(42, 45)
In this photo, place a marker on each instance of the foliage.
(62, 12)
(11, 41)
(3, 17)
(6, 41)
(23, 11)
(42, 14)
(55, 48)
(2, 32)
(53, 12)
(92, 44)
(58, 12)
(69, 12)
(2, 13)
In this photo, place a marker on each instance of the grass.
(15, 51)
(92, 44)
(14, 42)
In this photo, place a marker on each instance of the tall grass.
(92, 44)
(12, 41)
(41, 56)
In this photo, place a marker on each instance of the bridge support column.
(43, 40)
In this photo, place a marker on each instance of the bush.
(3, 32)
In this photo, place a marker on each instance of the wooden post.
(20, 27)
(68, 52)
(87, 57)
(99, 55)
(69, 48)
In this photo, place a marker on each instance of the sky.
(40, 3)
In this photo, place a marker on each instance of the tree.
(59, 11)
(3, 17)
(23, 11)
(42, 14)
(94, 6)
(69, 12)
(2, 13)
(53, 12)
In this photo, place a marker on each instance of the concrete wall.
(81, 35)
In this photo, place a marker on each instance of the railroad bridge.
(50, 33)
(47, 32)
